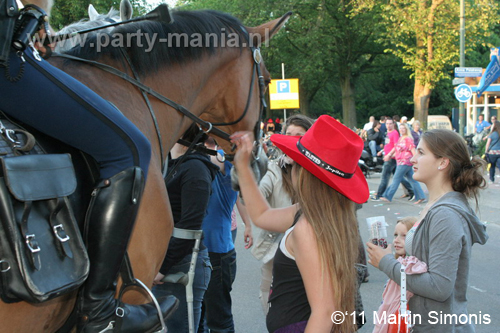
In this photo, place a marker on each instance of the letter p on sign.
(283, 86)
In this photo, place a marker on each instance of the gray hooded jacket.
(443, 240)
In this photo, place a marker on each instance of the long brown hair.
(305, 122)
(333, 219)
(496, 126)
(465, 172)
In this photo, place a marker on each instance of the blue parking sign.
(283, 86)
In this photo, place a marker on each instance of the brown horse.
(216, 82)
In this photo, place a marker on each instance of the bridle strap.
(199, 148)
(209, 127)
(247, 105)
(110, 69)
(150, 108)
(183, 157)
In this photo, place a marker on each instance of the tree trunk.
(348, 101)
(305, 105)
(421, 97)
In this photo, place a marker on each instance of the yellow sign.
(284, 94)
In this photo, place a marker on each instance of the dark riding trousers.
(56, 104)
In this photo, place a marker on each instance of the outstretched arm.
(260, 212)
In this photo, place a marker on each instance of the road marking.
(480, 290)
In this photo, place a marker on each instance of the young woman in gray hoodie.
(443, 236)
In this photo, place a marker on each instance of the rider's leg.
(56, 104)
(111, 216)
(60, 106)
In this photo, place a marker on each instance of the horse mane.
(188, 29)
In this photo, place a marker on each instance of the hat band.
(319, 162)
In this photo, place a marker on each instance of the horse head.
(207, 63)
(243, 96)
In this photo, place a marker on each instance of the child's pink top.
(392, 294)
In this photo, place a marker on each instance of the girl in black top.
(314, 274)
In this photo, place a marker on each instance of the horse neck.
(195, 85)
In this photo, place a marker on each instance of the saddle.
(42, 254)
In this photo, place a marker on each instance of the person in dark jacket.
(375, 139)
(189, 191)
(416, 132)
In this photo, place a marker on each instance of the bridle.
(205, 126)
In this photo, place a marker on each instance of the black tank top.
(287, 298)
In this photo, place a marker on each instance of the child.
(392, 294)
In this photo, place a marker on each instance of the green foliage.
(65, 12)
(424, 34)
(379, 46)
(481, 148)
(323, 42)
(385, 90)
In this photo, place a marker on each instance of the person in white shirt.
(369, 124)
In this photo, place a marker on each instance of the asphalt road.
(484, 285)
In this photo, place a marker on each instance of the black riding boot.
(110, 220)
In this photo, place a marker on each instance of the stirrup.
(138, 283)
(130, 281)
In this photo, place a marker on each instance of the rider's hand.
(244, 143)
(41, 37)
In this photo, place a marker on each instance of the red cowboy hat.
(330, 151)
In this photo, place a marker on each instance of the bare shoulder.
(302, 239)
(303, 229)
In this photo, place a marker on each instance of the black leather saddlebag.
(42, 254)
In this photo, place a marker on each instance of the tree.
(336, 39)
(425, 35)
(325, 40)
(65, 12)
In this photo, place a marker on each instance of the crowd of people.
(437, 158)
(306, 203)
(395, 142)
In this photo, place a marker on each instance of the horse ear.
(92, 13)
(126, 10)
(264, 32)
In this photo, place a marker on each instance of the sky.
(154, 3)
